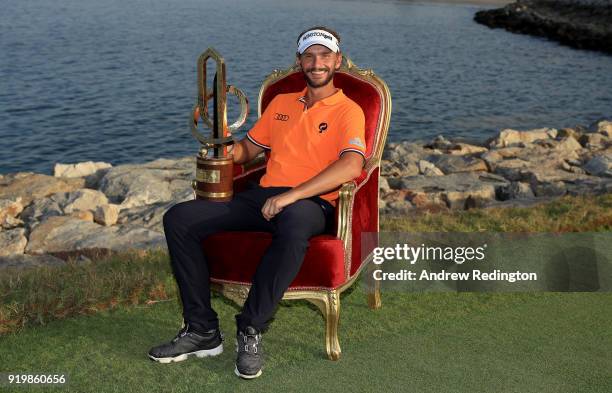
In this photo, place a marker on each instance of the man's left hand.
(275, 204)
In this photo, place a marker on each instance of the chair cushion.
(234, 256)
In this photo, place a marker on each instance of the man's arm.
(346, 168)
(245, 150)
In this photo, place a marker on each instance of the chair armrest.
(346, 198)
(357, 212)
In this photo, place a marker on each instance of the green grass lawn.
(95, 323)
(440, 342)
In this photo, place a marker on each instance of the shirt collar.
(331, 100)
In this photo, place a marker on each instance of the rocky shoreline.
(583, 24)
(96, 206)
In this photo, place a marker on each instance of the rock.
(83, 199)
(577, 170)
(63, 203)
(395, 182)
(159, 181)
(518, 164)
(568, 145)
(545, 174)
(64, 233)
(391, 169)
(549, 189)
(459, 163)
(30, 186)
(590, 186)
(383, 185)
(398, 208)
(404, 152)
(9, 209)
(42, 208)
(602, 126)
(400, 160)
(599, 165)
(465, 148)
(85, 215)
(80, 169)
(11, 222)
(569, 133)
(22, 261)
(456, 190)
(106, 214)
(513, 169)
(594, 141)
(12, 241)
(439, 142)
(514, 190)
(428, 169)
(509, 137)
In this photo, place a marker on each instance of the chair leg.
(332, 318)
(372, 288)
(329, 304)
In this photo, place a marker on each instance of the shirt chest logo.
(281, 117)
(322, 127)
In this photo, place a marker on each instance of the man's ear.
(297, 60)
(339, 60)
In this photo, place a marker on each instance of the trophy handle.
(244, 107)
(196, 112)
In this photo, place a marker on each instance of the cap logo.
(318, 37)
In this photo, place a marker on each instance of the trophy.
(214, 172)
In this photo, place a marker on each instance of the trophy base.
(214, 179)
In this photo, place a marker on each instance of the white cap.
(317, 37)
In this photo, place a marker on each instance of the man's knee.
(171, 216)
(181, 214)
(303, 218)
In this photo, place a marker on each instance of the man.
(316, 143)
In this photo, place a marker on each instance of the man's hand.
(346, 168)
(275, 204)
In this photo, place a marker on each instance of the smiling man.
(316, 143)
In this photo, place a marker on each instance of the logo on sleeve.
(322, 127)
(357, 142)
(281, 117)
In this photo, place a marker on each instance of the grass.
(96, 322)
(567, 214)
(443, 342)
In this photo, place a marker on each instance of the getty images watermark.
(489, 262)
(458, 255)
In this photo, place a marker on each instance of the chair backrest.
(362, 86)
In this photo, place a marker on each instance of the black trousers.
(186, 224)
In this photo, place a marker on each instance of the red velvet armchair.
(332, 262)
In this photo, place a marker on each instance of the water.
(115, 80)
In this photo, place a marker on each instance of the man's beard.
(311, 83)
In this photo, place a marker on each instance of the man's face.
(319, 64)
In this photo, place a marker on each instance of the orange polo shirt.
(304, 141)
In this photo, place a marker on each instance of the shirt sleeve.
(260, 133)
(353, 136)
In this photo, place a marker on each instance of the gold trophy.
(214, 172)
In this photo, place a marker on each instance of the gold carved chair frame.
(328, 300)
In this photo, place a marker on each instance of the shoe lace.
(181, 333)
(252, 344)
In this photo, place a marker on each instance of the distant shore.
(582, 24)
(475, 2)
